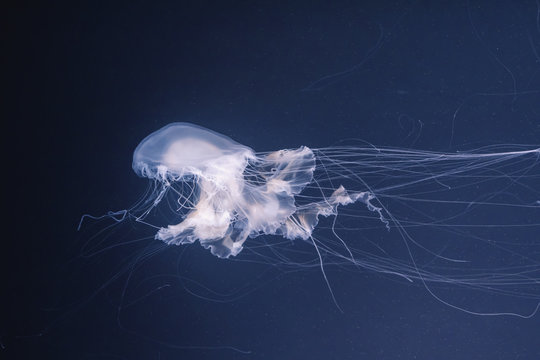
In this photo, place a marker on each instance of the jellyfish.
(237, 193)
(467, 220)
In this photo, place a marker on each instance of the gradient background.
(84, 83)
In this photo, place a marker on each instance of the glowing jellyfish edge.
(228, 205)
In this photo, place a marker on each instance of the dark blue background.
(85, 83)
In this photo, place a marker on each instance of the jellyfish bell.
(181, 149)
(238, 194)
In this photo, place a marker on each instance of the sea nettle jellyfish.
(467, 219)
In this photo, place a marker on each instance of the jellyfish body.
(465, 221)
(236, 193)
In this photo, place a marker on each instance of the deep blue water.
(86, 83)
